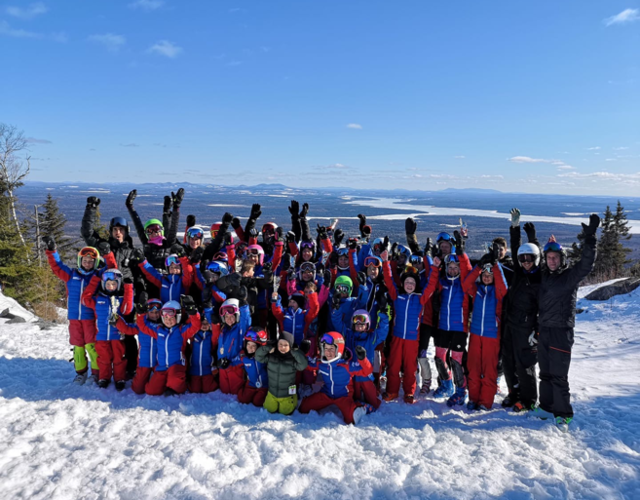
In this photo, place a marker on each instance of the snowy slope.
(60, 441)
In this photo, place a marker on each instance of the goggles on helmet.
(154, 305)
(154, 229)
(451, 259)
(342, 289)
(443, 237)
(308, 267)
(172, 259)
(168, 313)
(195, 233)
(372, 261)
(111, 276)
(416, 259)
(342, 252)
(487, 268)
(252, 251)
(553, 246)
(327, 339)
(119, 222)
(360, 319)
(228, 310)
(306, 244)
(89, 252)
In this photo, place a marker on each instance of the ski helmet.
(230, 306)
(171, 309)
(256, 250)
(299, 299)
(554, 246)
(447, 238)
(256, 335)
(215, 227)
(118, 222)
(218, 268)
(269, 230)
(307, 267)
(111, 275)
(402, 250)
(378, 246)
(361, 316)
(195, 232)
(311, 245)
(154, 225)
(335, 339)
(88, 252)
(532, 251)
(411, 272)
(343, 284)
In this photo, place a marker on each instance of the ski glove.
(104, 248)
(227, 218)
(177, 249)
(305, 346)
(189, 305)
(191, 220)
(361, 352)
(322, 232)
(137, 257)
(130, 198)
(49, 242)
(530, 230)
(93, 202)
(166, 207)
(304, 211)
(515, 217)
(594, 222)
(177, 198)
(294, 208)
(196, 255)
(255, 211)
(338, 236)
(363, 222)
(459, 243)
(410, 226)
(223, 363)
(235, 223)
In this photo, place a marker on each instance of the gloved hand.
(223, 363)
(495, 254)
(410, 226)
(326, 276)
(227, 238)
(188, 304)
(267, 267)
(196, 255)
(515, 217)
(127, 275)
(363, 222)
(294, 208)
(137, 257)
(366, 232)
(104, 248)
(242, 295)
(291, 274)
(381, 299)
(279, 233)
(255, 211)
(319, 268)
(141, 305)
(290, 237)
(235, 223)
(530, 230)
(253, 233)
(322, 232)
(191, 220)
(486, 258)
(394, 250)
(207, 293)
(304, 211)
(227, 218)
(335, 301)
(594, 222)
(177, 198)
(362, 277)
(385, 243)
(177, 249)
(166, 206)
(338, 236)
(333, 259)
(49, 242)
(93, 202)
(353, 243)
(459, 243)
(305, 346)
(132, 196)
(361, 352)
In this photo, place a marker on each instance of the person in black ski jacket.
(557, 316)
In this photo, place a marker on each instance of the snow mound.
(16, 309)
(64, 441)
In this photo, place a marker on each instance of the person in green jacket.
(282, 361)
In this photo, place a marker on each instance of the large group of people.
(286, 320)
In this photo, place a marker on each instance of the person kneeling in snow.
(203, 376)
(256, 386)
(283, 362)
(337, 368)
(169, 376)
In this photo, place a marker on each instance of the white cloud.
(595, 148)
(527, 159)
(7, 30)
(611, 159)
(629, 179)
(626, 16)
(33, 10)
(147, 5)
(356, 126)
(622, 148)
(113, 43)
(166, 48)
(566, 167)
(459, 157)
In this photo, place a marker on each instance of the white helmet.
(530, 249)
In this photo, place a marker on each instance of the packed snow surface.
(61, 441)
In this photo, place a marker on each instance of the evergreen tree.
(100, 228)
(622, 230)
(52, 223)
(612, 254)
(575, 252)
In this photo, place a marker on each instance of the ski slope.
(61, 441)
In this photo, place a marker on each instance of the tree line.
(25, 276)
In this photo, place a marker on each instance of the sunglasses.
(89, 252)
(526, 258)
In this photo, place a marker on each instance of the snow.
(63, 441)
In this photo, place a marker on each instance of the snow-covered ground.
(60, 441)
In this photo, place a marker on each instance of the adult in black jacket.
(156, 254)
(557, 302)
(520, 352)
(121, 244)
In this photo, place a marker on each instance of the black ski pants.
(554, 358)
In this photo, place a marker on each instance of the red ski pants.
(232, 379)
(202, 384)
(111, 360)
(140, 380)
(482, 363)
(82, 332)
(366, 392)
(252, 395)
(403, 357)
(174, 378)
(320, 400)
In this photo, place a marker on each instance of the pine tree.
(575, 252)
(99, 227)
(621, 225)
(52, 223)
(612, 254)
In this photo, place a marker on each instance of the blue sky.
(519, 96)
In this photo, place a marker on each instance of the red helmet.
(335, 339)
(257, 336)
(215, 228)
(269, 228)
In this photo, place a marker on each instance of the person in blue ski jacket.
(202, 375)
(256, 385)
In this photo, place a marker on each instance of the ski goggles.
(553, 246)
(416, 260)
(527, 257)
(172, 259)
(154, 229)
(343, 289)
(195, 233)
(372, 261)
(253, 251)
(360, 319)
(307, 267)
(228, 310)
(306, 244)
(256, 337)
(327, 340)
(168, 313)
(451, 259)
(411, 269)
(154, 305)
(89, 252)
(111, 276)
(487, 268)
(119, 222)
(342, 252)
(443, 237)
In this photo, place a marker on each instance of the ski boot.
(426, 386)
(358, 413)
(520, 407)
(409, 399)
(120, 385)
(389, 396)
(539, 413)
(472, 406)
(445, 390)
(93, 378)
(103, 383)
(509, 400)
(80, 379)
(563, 423)
(458, 398)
